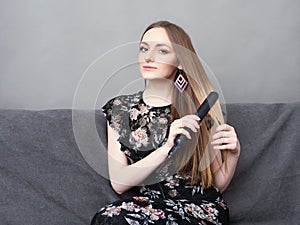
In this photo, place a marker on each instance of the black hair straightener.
(202, 111)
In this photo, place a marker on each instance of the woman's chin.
(154, 76)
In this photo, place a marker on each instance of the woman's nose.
(149, 57)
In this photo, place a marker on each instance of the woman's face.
(157, 58)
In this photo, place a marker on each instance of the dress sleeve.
(113, 111)
(107, 110)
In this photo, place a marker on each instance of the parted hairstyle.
(197, 163)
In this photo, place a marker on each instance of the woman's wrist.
(164, 149)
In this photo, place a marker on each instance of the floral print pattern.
(142, 129)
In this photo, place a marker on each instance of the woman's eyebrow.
(158, 45)
(145, 43)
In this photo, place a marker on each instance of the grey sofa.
(45, 180)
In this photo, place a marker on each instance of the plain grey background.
(47, 45)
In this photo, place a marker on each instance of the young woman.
(141, 132)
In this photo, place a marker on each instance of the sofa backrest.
(45, 178)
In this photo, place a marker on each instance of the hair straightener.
(202, 111)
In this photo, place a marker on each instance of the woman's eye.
(163, 51)
(143, 49)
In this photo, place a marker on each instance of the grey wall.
(46, 46)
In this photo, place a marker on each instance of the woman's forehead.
(157, 34)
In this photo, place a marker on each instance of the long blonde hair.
(197, 164)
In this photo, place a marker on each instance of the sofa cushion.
(46, 180)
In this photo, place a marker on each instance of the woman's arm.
(124, 176)
(224, 138)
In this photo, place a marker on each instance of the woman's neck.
(158, 92)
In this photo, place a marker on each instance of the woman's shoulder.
(128, 98)
(117, 108)
(121, 102)
(125, 100)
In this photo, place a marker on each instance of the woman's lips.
(149, 67)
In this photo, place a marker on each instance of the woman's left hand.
(225, 138)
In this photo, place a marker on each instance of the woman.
(141, 132)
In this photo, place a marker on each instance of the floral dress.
(141, 129)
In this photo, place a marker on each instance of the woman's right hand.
(178, 127)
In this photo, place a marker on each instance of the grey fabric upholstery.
(45, 180)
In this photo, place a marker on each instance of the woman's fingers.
(225, 138)
(186, 133)
(224, 131)
(225, 128)
(180, 126)
(223, 134)
(190, 121)
(178, 129)
(221, 141)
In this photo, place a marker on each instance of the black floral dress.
(142, 129)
